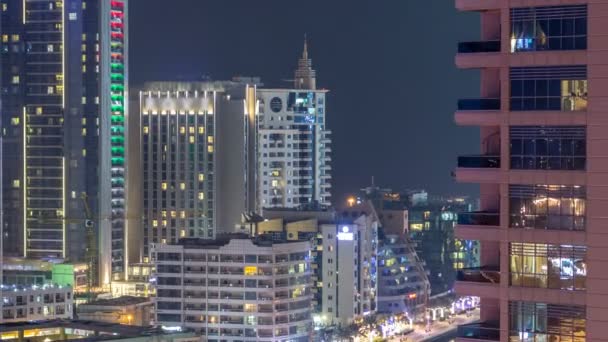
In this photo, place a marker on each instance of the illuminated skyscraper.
(542, 170)
(64, 81)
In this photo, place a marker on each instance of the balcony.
(480, 54)
(482, 281)
(479, 47)
(481, 104)
(479, 218)
(486, 331)
(478, 225)
(478, 5)
(479, 161)
(484, 274)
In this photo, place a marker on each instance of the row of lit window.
(174, 112)
(182, 130)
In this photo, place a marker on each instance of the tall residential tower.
(293, 147)
(543, 170)
(64, 81)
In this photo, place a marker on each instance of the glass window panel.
(542, 87)
(568, 27)
(517, 88)
(555, 27)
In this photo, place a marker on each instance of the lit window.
(191, 139)
(50, 90)
(154, 223)
(146, 129)
(84, 132)
(163, 240)
(84, 68)
(251, 270)
(182, 186)
(210, 139)
(173, 214)
(182, 214)
(15, 38)
(164, 223)
(83, 48)
(84, 36)
(84, 100)
(15, 80)
(84, 58)
(50, 48)
(5, 38)
(191, 130)
(15, 121)
(201, 177)
(38, 110)
(210, 149)
(275, 183)
(182, 233)
(84, 152)
(201, 130)
(4, 8)
(16, 183)
(164, 186)
(84, 5)
(201, 195)
(182, 130)
(163, 214)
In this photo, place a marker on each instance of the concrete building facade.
(36, 303)
(542, 170)
(293, 147)
(235, 288)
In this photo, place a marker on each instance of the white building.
(235, 288)
(36, 303)
(293, 143)
(348, 270)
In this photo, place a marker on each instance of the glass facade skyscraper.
(63, 87)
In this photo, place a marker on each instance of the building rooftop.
(224, 239)
(106, 331)
(119, 301)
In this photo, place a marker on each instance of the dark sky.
(388, 63)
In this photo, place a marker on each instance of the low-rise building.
(344, 259)
(35, 303)
(63, 330)
(122, 310)
(235, 288)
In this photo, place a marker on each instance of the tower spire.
(305, 51)
(305, 75)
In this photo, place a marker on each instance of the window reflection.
(548, 266)
(551, 207)
(549, 28)
(529, 321)
(548, 147)
(549, 94)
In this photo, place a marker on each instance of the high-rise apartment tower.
(543, 170)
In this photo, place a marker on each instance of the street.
(438, 328)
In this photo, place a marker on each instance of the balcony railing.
(479, 161)
(488, 331)
(479, 104)
(479, 218)
(477, 47)
(484, 274)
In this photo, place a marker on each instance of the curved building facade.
(403, 285)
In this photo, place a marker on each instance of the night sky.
(389, 65)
